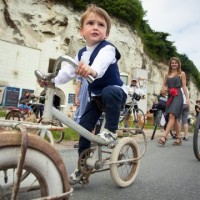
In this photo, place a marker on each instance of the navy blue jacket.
(111, 76)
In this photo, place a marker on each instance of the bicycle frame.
(130, 109)
(50, 111)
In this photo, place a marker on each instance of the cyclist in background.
(24, 102)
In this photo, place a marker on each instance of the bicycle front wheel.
(44, 176)
(58, 135)
(196, 141)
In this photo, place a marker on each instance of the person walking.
(184, 117)
(174, 80)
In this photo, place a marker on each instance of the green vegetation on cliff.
(156, 45)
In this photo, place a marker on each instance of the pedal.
(72, 182)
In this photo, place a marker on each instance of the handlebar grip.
(39, 74)
(72, 62)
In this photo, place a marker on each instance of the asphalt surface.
(166, 172)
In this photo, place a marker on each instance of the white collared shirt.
(102, 61)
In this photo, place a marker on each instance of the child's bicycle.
(32, 158)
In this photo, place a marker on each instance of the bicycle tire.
(141, 121)
(196, 141)
(46, 168)
(156, 122)
(137, 123)
(126, 148)
(59, 134)
(154, 131)
(13, 115)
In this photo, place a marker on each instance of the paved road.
(165, 173)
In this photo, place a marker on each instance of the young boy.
(99, 59)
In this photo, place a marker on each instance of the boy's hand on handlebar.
(45, 83)
(85, 70)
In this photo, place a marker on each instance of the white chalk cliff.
(43, 25)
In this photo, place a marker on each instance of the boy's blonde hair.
(100, 12)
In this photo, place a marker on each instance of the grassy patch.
(2, 112)
(69, 135)
(149, 126)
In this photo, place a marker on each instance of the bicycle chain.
(82, 166)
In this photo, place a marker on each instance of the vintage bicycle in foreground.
(34, 166)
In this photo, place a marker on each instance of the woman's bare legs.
(173, 121)
(170, 125)
(178, 141)
(177, 128)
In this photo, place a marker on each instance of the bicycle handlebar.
(72, 62)
(57, 66)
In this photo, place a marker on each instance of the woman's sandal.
(160, 141)
(178, 142)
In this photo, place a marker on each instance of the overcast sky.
(179, 18)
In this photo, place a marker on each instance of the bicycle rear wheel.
(45, 172)
(124, 173)
(196, 141)
(15, 115)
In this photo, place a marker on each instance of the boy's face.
(94, 29)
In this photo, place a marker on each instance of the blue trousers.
(113, 99)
